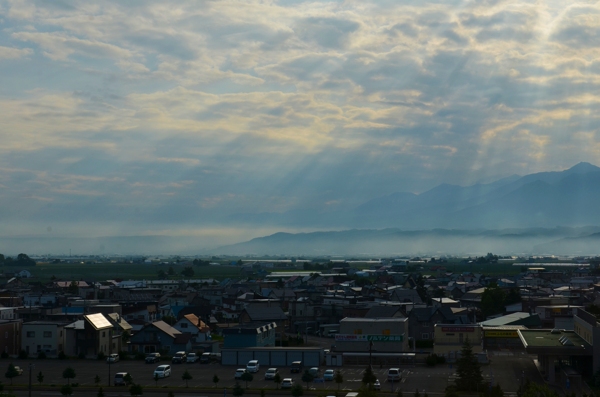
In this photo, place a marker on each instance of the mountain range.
(546, 199)
(541, 213)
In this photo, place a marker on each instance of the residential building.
(46, 336)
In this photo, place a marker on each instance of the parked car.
(377, 385)
(270, 373)
(112, 358)
(296, 367)
(120, 379)
(162, 371)
(152, 358)
(192, 358)
(179, 357)
(287, 383)
(205, 358)
(394, 375)
(239, 372)
(314, 371)
(253, 366)
(329, 374)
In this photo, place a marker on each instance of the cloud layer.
(142, 116)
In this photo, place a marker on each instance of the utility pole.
(31, 367)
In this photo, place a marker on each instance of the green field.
(121, 271)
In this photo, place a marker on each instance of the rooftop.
(533, 338)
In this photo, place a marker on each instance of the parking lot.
(507, 369)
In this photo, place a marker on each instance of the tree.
(492, 300)
(73, 288)
(238, 390)
(297, 390)
(11, 372)
(68, 374)
(468, 370)
(216, 380)
(66, 390)
(186, 377)
(100, 393)
(128, 379)
(496, 391)
(40, 377)
(136, 390)
(451, 391)
(369, 377)
(247, 377)
(188, 272)
(365, 391)
(171, 271)
(162, 274)
(338, 378)
(277, 379)
(307, 377)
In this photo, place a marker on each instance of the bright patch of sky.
(138, 116)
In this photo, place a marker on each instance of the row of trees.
(20, 260)
(494, 299)
(187, 271)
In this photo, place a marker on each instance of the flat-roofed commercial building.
(372, 334)
(449, 339)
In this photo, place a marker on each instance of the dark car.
(179, 357)
(296, 367)
(152, 358)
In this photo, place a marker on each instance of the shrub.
(62, 355)
(431, 360)
(41, 355)
(424, 344)
(23, 355)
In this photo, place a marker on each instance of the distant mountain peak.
(582, 168)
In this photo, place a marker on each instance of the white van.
(394, 375)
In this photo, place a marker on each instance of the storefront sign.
(368, 338)
(458, 329)
(502, 334)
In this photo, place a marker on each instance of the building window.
(425, 336)
(31, 334)
(103, 334)
(184, 325)
(47, 334)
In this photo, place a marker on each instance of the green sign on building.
(384, 338)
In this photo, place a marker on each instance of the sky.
(181, 118)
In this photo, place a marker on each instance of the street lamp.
(31, 367)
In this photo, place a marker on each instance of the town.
(394, 325)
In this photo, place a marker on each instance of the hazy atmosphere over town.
(224, 121)
(353, 198)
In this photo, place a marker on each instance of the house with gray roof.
(421, 321)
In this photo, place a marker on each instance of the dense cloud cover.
(180, 118)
